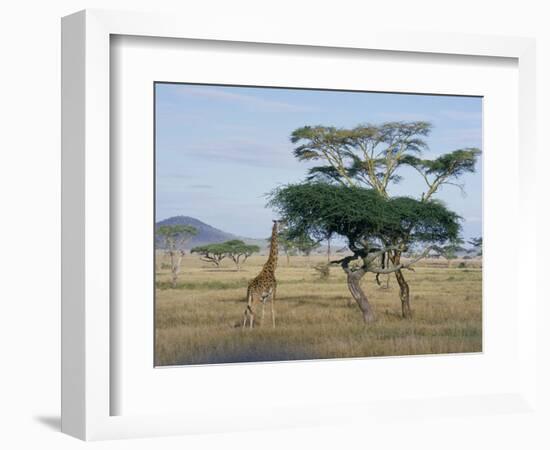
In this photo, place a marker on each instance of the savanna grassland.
(198, 322)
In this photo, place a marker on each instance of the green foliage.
(367, 154)
(347, 195)
(305, 244)
(286, 244)
(450, 250)
(454, 163)
(238, 247)
(213, 253)
(235, 249)
(445, 168)
(361, 215)
(177, 230)
(174, 236)
(292, 243)
(370, 155)
(477, 244)
(239, 252)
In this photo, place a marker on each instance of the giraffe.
(264, 286)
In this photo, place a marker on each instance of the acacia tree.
(366, 220)
(450, 250)
(211, 253)
(369, 156)
(239, 251)
(305, 244)
(477, 244)
(174, 237)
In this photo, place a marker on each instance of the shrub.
(323, 269)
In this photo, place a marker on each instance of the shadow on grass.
(263, 353)
(337, 301)
(224, 270)
(217, 284)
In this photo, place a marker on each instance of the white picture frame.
(87, 354)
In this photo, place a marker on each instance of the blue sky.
(220, 149)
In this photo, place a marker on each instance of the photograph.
(296, 224)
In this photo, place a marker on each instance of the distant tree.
(285, 244)
(329, 238)
(293, 244)
(449, 251)
(239, 251)
(211, 253)
(174, 237)
(305, 244)
(323, 269)
(477, 244)
(236, 250)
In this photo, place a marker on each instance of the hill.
(207, 233)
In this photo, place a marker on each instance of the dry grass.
(197, 322)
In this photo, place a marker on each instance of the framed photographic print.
(259, 165)
(251, 219)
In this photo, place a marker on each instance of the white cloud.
(244, 99)
(243, 151)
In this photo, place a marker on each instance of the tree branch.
(400, 266)
(344, 262)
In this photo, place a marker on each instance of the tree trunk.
(236, 261)
(404, 295)
(174, 279)
(176, 264)
(173, 269)
(354, 286)
(404, 291)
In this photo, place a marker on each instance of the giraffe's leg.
(263, 313)
(248, 314)
(273, 306)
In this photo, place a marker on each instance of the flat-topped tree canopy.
(176, 233)
(362, 215)
(367, 154)
(235, 249)
(444, 169)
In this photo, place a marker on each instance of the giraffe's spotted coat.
(263, 288)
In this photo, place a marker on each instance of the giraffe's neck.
(271, 262)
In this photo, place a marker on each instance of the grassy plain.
(198, 322)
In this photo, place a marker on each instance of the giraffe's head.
(279, 224)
